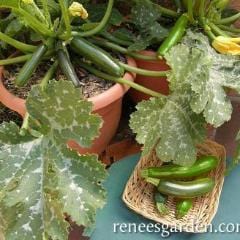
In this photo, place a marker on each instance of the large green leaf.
(170, 127)
(144, 17)
(207, 73)
(62, 111)
(41, 180)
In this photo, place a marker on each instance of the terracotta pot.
(108, 105)
(158, 84)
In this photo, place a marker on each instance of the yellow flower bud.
(227, 45)
(77, 10)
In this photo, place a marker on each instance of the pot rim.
(100, 101)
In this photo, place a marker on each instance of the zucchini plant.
(199, 80)
(43, 182)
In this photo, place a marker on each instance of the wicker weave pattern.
(138, 195)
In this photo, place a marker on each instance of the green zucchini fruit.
(97, 56)
(160, 201)
(181, 189)
(203, 165)
(67, 67)
(30, 66)
(183, 206)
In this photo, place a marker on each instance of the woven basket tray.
(138, 195)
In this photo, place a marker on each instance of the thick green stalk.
(166, 12)
(35, 24)
(15, 60)
(17, 44)
(229, 29)
(101, 25)
(202, 11)
(143, 71)
(25, 125)
(119, 80)
(208, 31)
(190, 11)
(229, 20)
(114, 39)
(66, 18)
(115, 47)
(217, 30)
(49, 74)
(46, 11)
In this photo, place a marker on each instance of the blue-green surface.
(116, 212)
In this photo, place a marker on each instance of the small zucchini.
(97, 56)
(181, 189)
(66, 66)
(30, 66)
(160, 201)
(174, 36)
(203, 165)
(183, 206)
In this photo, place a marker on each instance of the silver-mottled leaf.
(170, 127)
(41, 180)
(208, 73)
(62, 110)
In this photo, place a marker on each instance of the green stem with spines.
(143, 72)
(15, 60)
(114, 39)
(229, 20)
(101, 25)
(229, 29)
(165, 11)
(66, 18)
(217, 30)
(25, 125)
(119, 80)
(190, 11)
(115, 47)
(17, 44)
(46, 11)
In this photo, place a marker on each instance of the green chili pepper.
(174, 36)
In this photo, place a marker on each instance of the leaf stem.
(217, 30)
(143, 71)
(229, 29)
(190, 11)
(66, 18)
(165, 11)
(15, 60)
(229, 20)
(201, 11)
(119, 80)
(112, 46)
(17, 44)
(101, 25)
(114, 39)
(25, 125)
(46, 11)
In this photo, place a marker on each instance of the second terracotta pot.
(108, 105)
(158, 84)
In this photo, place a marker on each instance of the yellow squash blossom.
(77, 10)
(227, 45)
